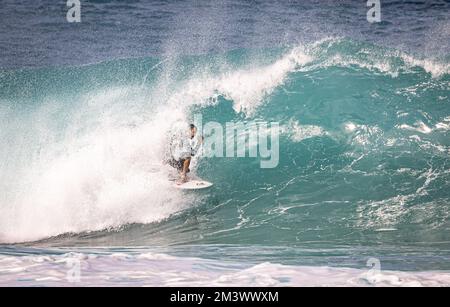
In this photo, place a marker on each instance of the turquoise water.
(364, 165)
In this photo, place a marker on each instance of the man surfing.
(182, 148)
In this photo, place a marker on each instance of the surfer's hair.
(192, 126)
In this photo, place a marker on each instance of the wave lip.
(342, 52)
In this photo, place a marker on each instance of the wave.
(82, 146)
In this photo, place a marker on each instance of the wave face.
(364, 150)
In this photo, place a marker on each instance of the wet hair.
(192, 126)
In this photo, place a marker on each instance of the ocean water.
(361, 195)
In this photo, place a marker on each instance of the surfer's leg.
(185, 169)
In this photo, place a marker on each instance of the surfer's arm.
(197, 146)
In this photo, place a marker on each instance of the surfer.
(182, 148)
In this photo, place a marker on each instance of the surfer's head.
(193, 130)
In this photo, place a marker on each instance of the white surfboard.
(194, 184)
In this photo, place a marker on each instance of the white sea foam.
(362, 134)
(423, 128)
(247, 88)
(153, 269)
(298, 132)
(435, 68)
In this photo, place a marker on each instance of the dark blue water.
(36, 33)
